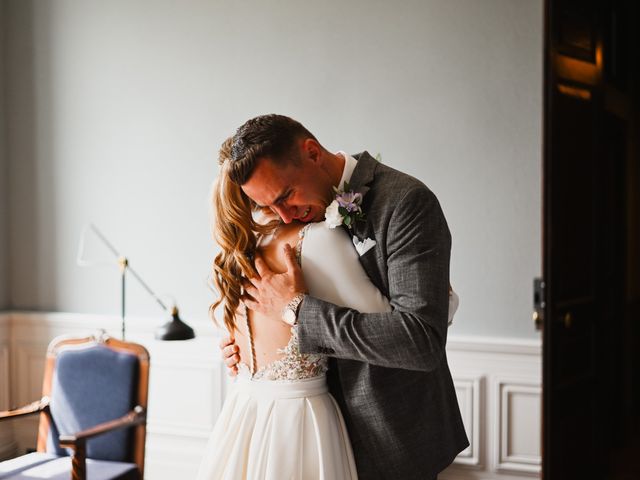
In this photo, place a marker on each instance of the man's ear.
(312, 150)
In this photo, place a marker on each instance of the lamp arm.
(122, 261)
(146, 287)
(80, 260)
(104, 239)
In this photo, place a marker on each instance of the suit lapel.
(361, 177)
(363, 174)
(361, 180)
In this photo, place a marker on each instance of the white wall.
(116, 110)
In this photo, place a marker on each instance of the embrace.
(333, 278)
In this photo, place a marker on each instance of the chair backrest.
(89, 381)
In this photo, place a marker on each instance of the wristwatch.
(290, 312)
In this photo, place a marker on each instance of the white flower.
(332, 217)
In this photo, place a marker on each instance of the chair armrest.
(135, 417)
(78, 441)
(34, 407)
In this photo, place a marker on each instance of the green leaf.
(347, 221)
(343, 211)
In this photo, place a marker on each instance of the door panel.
(591, 146)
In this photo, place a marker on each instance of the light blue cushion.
(92, 385)
(16, 465)
(60, 468)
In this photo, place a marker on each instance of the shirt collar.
(350, 164)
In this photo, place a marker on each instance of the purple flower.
(345, 209)
(350, 201)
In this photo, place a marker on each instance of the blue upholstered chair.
(92, 413)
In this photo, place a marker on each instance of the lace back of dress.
(293, 365)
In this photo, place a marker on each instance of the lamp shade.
(175, 329)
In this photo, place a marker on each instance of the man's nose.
(285, 213)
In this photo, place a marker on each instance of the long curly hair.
(236, 231)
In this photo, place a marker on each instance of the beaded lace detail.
(293, 365)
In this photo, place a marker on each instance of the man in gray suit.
(388, 371)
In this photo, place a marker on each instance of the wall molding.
(503, 345)
(469, 390)
(495, 379)
(506, 458)
(136, 325)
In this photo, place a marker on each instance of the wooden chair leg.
(79, 462)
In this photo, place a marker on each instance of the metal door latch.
(538, 303)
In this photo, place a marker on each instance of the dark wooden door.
(590, 325)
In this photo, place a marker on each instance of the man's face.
(295, 192)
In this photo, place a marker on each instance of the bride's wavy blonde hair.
(236, 231)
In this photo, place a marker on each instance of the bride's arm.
(333, 273)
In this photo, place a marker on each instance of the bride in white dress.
(279, 420)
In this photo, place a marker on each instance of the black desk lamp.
(174, 328)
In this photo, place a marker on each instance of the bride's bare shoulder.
(271, 247)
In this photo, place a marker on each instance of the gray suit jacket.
(389, 371)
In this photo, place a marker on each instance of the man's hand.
(230, 355)
(269, 292)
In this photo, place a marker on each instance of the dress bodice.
(293, 365)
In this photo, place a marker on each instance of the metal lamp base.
(175, 329)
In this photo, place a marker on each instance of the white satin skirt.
(277, 430)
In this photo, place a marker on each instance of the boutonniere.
(345, 209)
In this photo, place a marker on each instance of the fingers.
(231, 358)
(229, 352)
(290, 258)
(250, 282)
(232, 362)
(226, 341)
(252, 304)
(250, 290)
(250, 296)
(261, 266)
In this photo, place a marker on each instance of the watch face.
(289, 316)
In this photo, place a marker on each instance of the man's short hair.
(271, 136)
